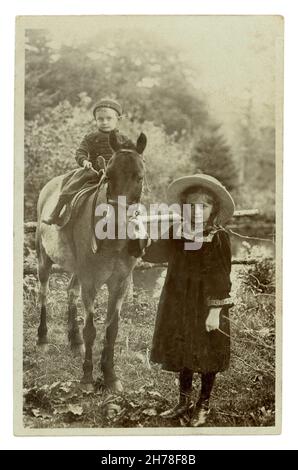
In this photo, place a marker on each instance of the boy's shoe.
(200, 413)
(53, 218)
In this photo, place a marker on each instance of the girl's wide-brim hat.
(226, 203)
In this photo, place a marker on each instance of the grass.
(243, 395)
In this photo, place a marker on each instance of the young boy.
(107, 113)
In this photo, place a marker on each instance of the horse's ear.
(141, 143)
(113, 141)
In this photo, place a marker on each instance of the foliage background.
(162, 91)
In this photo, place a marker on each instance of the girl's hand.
(87, 164)
(212, 322)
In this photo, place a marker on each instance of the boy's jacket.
(97, 143)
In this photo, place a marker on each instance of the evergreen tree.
(212, 155)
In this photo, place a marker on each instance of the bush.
(260, 276)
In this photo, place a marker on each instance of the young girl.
(192, 330)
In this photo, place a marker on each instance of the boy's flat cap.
(107, 103)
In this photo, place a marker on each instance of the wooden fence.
(30, 269)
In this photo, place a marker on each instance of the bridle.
(104, 180)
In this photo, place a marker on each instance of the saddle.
(73, 209)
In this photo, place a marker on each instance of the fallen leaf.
(264, 332)
(65, 387)
(258, 378)
(76, 410)
(112, 410)
(54, 385)
(114, 407)
(110, 398)
(61, 410)
(40, 413)
(141, 357)
(183, 421)
(133, 405)
(154, 394)
(150, 412)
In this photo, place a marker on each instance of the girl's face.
(106, 119)
(206, 205)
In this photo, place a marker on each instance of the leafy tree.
(151, 80)
(38, 61)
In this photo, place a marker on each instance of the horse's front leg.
(117, 289)
(74, 335)
(89, 331)
(44, 267)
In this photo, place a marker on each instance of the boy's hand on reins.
(212, 322)
(87, 164)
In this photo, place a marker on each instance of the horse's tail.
(53, 186)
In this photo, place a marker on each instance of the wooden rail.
(30, 227)
(30, 269)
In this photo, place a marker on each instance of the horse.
(112, 265)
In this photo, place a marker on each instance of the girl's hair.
(211, 198)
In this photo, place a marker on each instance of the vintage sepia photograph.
(148, 195)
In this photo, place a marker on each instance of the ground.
(53, 397)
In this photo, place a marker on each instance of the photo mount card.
(132, 334)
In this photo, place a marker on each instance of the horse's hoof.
(43, 346)
(115, 386)
(87, 387)
(87, 383)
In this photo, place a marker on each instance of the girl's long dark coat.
(195, 280)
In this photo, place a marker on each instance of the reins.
(104, 180)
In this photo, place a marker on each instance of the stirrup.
(56, 217)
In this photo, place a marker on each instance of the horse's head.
(126, 170)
